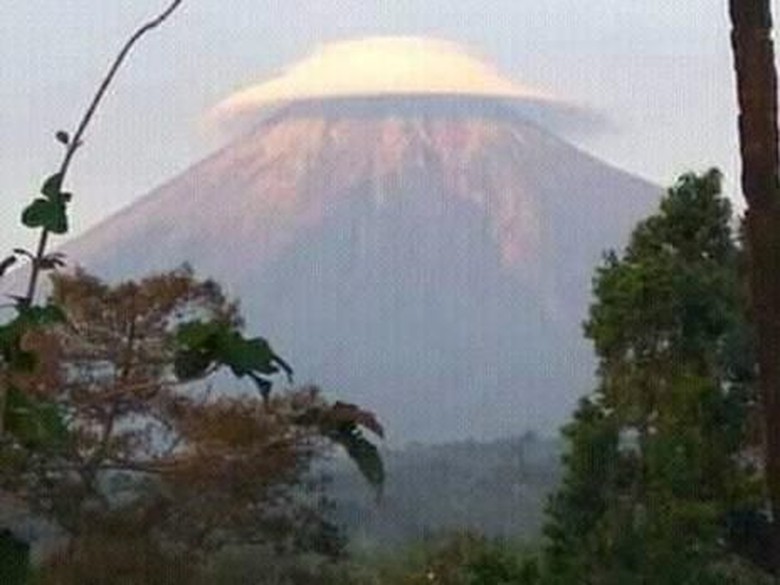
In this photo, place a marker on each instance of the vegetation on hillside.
(496, 489)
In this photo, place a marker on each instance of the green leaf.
(191, 364)
(52, 186)
(197, 334)
(49, 214)
(12, 333)
(364, 454)
(36, 214)
(203, 344)
(40, 316)
(264, 385)
(245, 356)
(340, 423)
(197, 349)
(284, 366)
(34, 422)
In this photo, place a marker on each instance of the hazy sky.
(658, 70)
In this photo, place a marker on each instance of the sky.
(658, 73)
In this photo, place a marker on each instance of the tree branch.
(76, 141)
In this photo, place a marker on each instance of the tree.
(100, 408)
(459, 558)
(754, 63)
(660, 472)
(49, 215)
(139, 455)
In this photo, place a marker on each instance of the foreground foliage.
(104, 431)
(662, 480)
(110, 443)
(117, 449)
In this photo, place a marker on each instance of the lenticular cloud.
(380, 66)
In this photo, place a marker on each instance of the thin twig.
(76, 141)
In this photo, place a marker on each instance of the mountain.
(427, 256)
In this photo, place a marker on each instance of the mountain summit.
(427, 255)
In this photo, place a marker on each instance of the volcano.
(426, 253)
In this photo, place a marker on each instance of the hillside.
(497, 489)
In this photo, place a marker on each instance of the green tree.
(460, 558)
(660, 467)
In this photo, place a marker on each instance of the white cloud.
(379, 66)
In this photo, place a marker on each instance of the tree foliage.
(456, 558)
(661, 481)
(112, 444)
(104, 429)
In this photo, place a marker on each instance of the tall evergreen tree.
(660, 481)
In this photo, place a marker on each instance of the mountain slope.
(427, 257)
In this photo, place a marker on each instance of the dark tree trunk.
(757, 91)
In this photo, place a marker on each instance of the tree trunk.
(757, 92)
